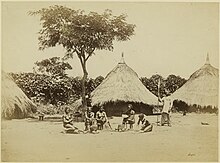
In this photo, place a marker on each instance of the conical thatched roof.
(201, 88)
(77, 105)
(122, 84)
(14, 103)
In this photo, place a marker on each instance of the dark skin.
(68, 121)
(70, 115)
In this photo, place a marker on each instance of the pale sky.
(170, 38)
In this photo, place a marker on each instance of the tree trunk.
(83, 60)
(84, 102)
(85, 75)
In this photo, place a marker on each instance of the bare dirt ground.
(187, 140)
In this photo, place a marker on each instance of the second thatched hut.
(201, 89)
(14, 103)
(121, 87)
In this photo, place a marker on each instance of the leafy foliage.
(171, 83)
(52, 67)
(48, 90)
(81, 33)
(174, 82)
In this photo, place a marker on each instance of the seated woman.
(101, 118)
(130, 118)
(68, 122)
(146, 126)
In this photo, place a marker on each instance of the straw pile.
(201, 88)
(122, 84)
(14, 103)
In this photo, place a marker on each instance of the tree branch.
(93, 49)
(80, 58)
(88, 56)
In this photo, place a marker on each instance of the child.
(94, 127)
(89, 117)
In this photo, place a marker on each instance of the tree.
(45, 89)
(152, 84)
(174, 82)
(171, 83)
(98, 80)
(81, 33)
(53, 67)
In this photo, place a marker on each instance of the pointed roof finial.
(122, 58)
(207, 62)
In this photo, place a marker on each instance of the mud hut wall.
(119, 108)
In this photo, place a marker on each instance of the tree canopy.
(171, 83)
(53, 66)
(81, 33)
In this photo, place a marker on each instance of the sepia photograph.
(109, 81)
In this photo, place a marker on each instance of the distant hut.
(14, 103)
(77, 106)
(122, 87)
(201, 89)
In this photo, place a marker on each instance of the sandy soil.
(187, 140)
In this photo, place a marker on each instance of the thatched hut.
(14, 103)
(201, 89)
(122, 87)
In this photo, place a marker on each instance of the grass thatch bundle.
(14, 103)
(77, 106)
(122, 84)
(201, 88)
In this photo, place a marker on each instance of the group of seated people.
(94, 122)
(129, 119)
